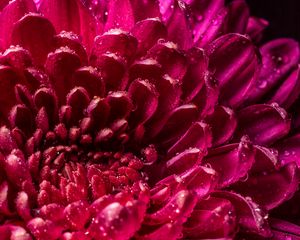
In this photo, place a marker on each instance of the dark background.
(283, 17)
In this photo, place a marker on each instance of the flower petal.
(12, 13)
(250, 217)
(232, 161)
(289, 91)
(279, 57)
(255, 28)
(222, 131)
(263, 123)
(35, 33)
(240, 70)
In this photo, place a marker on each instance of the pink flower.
(133, 119)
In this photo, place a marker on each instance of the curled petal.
(198, 136)
(289, 150)
(240, 70)
(120, 105)
(12, 13)
(210, 219)
(255, 28)
(263, 123)
(279, 57)
(145, 98)
(35, 33)
(148, 32)
(289, 91)
(269, 189)
(222, 131)
(250, 217)
(60, 66)
(232, 161)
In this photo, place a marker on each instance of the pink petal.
(99, 110)
(263, 123)
(240, 70)
(232, 161)
(90, 79)
(120, 105)
(173, 62)
(289, 150)
(289, 91)
(115, 41)
(148, 32)
(35, 33)
(21, 117)
(60, 66)
(255, 28)
(145, 98)
(237, 18)
(269, 189)
(120, 15)
(222, 131)
(214, 210)
(196, 75)
(12, 13)
(197, 136)
(250, 217)
(7, 142)
(179, 29)
(145, 9)
(279, 57)
(63, 14)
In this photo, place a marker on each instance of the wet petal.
(232, 161)
(289, 91)
(263, 123)
(60, 66)
(240, 70)
(12, 13)
(250, 217)
(214, 210)
(279, 57)
(35, 33)
(255, 28)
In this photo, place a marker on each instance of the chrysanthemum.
(138, 119)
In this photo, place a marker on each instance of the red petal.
(34, 33)
(263, 123)
(60, 66)
(232, 161)
(12, 13)
(239, 70)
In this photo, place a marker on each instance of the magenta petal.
(120, 105)
(12, 13)
(284, 230)
(145, 99)
(263, 123)
(110, 221)
(196, 75)
(279, 57)
(237, 18)
(7, 143)
(21, 117)
(289, 91)
(179, 29)
(145, 9)
(99, 110)
(7, 98)
(255, 28)
(173, 62)
(90, 79)
(184, 160)
(232, 161)
(250, 217)
(269, 189)
(197, 136)
(60, 66)
(148, 32)
(240, 70)
(222, 131)
(115, 41)
(63, 14)
(178, 208)
(120, 15)
(214, 210)
(35, 33)
(289, 150)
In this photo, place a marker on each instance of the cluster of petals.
(146, 120)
